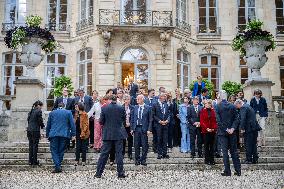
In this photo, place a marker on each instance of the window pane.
(204, 60)
(89, 68)
(202, 3)
(18, 58)
(19, 70)
(212, 24)
(178, 55)
(51, 58)
(185, 70)
(185, 57)
(89, 54)
(279, 13)
(61, 59)
(212, 12)
(82, 56)
(202, 12)
(244, 73)
(214, 73)
(251, 13)
(8, 58)
(281, 60)
(279, 3)
(178, 74)
(282, 78)
(60, 71)
(242, 3)
(242, 61)
(7, 71)
(242, 12)
(214, 60)
(215, 83)
(204, 72)
(212, 3)
(81, 69)
(251, 3)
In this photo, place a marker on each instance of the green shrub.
(60, 83)
(231, 87)
(208, 84)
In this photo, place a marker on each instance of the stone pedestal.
(28, 91)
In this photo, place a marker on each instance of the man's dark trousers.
(57, 147)
(81, 147)
(230, 142)
(195, 133)
(250, 140)
(105, 151)
(155, 138)
(162, 136)
(33, 137)
(140, 139)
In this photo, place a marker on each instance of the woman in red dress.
(208, 126)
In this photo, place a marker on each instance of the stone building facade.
(158, 43)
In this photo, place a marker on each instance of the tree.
(231, 87)
(60, 83)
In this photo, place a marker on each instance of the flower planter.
(255, 57)
(31, 55)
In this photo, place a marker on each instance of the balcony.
(108, 17)
(182, 25)
(85, 24)
(8, 26)
(61, 27)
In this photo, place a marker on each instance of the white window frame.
(57, 23)
(280, 68)
(13, 75)
(209, 66)
(84, 62)
(55, 64)
(179, 11)
(246, 10)
(87, 10)
(18, 5)
(182, 64)
(207, 17)
(276, 17)
(244, 66)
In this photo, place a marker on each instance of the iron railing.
(85, 23)
(9, 26)
(57, 27)
(183, 25)
(208, 31)
(135, 17)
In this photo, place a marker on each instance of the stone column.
(28, 91)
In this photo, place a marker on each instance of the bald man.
(141, 127)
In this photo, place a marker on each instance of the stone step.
(131, 167)
(150, 160)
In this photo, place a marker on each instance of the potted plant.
(231, 87)
(208, 85)
(60, 83)
(252, 45)
(32, 39)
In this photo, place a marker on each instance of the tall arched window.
(183, 69)
(15, 13)
(55, 66)
(210, 69)
(279, 16)
(85, 74)
(208, 16)
(57, 15)
(281, 64)
(245, 71)
(246, 13)
(12, 69)
(182, 11)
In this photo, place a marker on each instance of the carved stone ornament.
(209, 48)
(134, 38)
(85, 41)
(184, 45)
(164, 37)
(106, 34)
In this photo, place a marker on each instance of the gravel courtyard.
(146, 179)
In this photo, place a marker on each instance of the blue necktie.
(140, 116)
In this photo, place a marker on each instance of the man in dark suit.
(133, 90)
(161, 115)
(226, 115)
(194, 127)
(85, 99)
(203, 96)
(112, 118)
(118, 87)
(141, 126)
(69, 103)
(249, 127)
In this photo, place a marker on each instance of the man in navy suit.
(249, 127)
(141, 126)
(161, 115)
(226, 115)
(112, 118)
(194, 127)
(133, 90)
(68, 102)
(60, 128)
(85, 99)
(203, 96)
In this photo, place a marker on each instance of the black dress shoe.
(57, 171)
(247, 162)
(226, 174)
(213, 163)
(217, 155)
(166, 156)
(97, 176)
(159, 157)
(192, 156)
(144, 164)
(237, 173)
(122, 176)
(200, 156)
(137, 163)
(254, 161)
(130, 156)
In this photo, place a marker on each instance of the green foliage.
(18, 38)
(60, 83)
(253, 32)
(33, 21)
(231, 87)
(208, 84)
(49, 46)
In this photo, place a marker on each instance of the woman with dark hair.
(208, 125)
(185, 139)
(82, 133)
(35, 123)
(198, 86)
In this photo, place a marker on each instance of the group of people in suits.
(130, 116)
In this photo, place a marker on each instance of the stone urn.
(256, 57)
(31, 55)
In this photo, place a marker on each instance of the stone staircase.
(15, 156)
